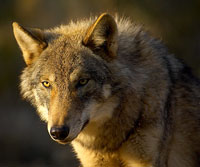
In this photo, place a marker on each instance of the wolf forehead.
(61, 59)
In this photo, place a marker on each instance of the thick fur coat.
(112, 91)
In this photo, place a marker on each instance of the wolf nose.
(59, 132)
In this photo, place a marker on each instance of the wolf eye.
(46, 84)
(83, 82)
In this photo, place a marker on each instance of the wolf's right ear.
(101, 37)
(31, 41)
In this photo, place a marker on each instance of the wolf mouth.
(84, 125)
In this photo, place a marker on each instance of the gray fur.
(141, 102)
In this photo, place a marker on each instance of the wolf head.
(68, 77)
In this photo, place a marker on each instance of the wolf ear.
(101, 37)
(31, 42)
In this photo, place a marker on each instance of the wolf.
(112, 91)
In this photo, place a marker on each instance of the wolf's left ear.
(101, 37)
(31, 41)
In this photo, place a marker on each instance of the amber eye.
(46, 84)
(83, 82)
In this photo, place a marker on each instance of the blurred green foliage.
(176, 22)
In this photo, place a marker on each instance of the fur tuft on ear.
(101, 37)
(30, 40)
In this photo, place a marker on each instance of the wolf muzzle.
(59, 132)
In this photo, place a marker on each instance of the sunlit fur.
(140, 106)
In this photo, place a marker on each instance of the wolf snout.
(59, 132)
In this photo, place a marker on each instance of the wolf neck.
(109, 135)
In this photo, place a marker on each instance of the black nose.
(59, 132)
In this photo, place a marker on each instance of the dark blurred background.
(24, 140)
